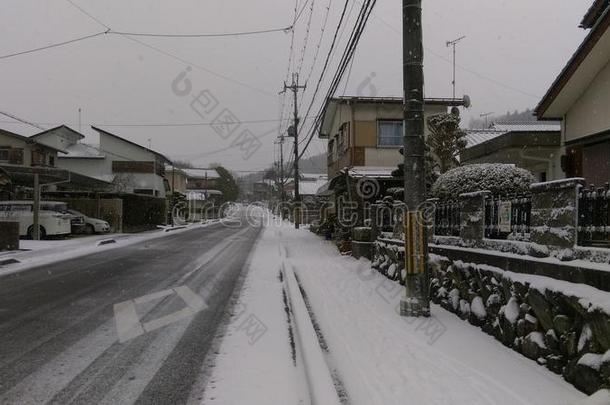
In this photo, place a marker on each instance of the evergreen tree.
(446, 140)
(226, 184)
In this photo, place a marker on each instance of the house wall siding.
(362, 149)
(591, 112)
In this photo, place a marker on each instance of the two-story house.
(176, 178)
(23, 151)
(580, 98)
(130, 167)
(367, 131)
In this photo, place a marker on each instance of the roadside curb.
(175, 228)
(319, 379)
(106, 242)
(8, 261)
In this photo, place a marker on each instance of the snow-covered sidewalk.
(380, 357)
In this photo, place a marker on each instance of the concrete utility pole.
(36, 209)
(293, 131)
(417, 301)
(281, 143)
(485, 115)
(454, 43)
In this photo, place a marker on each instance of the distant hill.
(314, 164)
(516, 116)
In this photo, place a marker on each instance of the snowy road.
(132, 324)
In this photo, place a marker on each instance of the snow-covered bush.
(495, 177)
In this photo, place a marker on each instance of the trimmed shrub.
(503, 179)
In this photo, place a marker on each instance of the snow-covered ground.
(378, 356)
(35, 253)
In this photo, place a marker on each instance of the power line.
(21, 121)
(170, 55)
(322, 30)
(55, 45)
(465, 69)
(347, 56)
(223, 34)
(87, 14)
(306, 40)
(155, 124)
(325, 66)
(290, 53)
(296, 18)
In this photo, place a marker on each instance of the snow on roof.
(307, 187)
(201, 173)
(82, 150)
(534, 126)
(478, 136)
(380, 172)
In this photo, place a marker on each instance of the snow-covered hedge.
(498, 178)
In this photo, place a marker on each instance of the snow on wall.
(552, 322)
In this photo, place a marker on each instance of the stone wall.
(561, 325)
(567, 332)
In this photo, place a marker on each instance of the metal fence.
(508, 217)
(447, 218)
(594, 216)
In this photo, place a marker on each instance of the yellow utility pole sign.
(415, 238)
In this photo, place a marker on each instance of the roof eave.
(571, 67)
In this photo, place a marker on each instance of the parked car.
(50, 222)
(77, 221)
(92, 225)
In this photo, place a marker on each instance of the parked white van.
(51, 223)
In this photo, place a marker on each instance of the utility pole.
(293, 131)
(485, 115)
(281, 143)
(454, 43)
(417, 300)
(36, 209)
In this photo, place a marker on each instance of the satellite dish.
(466, 101)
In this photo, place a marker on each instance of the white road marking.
(129, 325)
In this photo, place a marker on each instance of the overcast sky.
(512, 52)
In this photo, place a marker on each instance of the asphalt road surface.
(136, 324)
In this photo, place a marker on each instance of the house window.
(38, 158)
(4, 155)
(52, 161)
(389, 133)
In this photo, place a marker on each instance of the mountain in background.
(516, 116)
(314, 164)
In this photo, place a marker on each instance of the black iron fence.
(508, 217)
(447, 218)
(594, 216)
